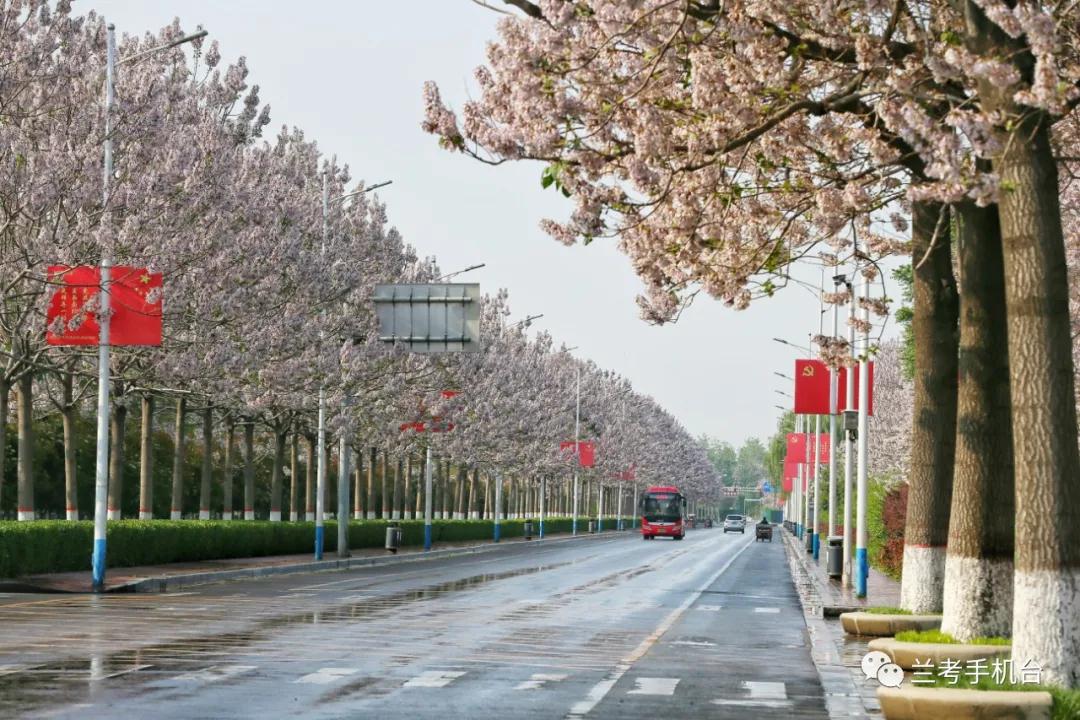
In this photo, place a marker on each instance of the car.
(733, 523)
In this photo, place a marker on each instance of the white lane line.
(537, 680)
(762, 694)
(709, 608)
(772, 610)
(325, 676)
(134, 668)
(695, 643)
(766, 690)
(434, 678)
(214, 673)
(602, 688)
(654, 686)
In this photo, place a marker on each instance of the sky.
(350, 72)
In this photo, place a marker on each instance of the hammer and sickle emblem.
(808, 371)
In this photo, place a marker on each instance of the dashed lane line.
(654, 686)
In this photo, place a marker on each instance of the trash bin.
(393, 538)
(592, 526)
(527, 530)
(835, 556)
(809, 535)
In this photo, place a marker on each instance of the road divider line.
(602, 688)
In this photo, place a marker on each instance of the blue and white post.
(599, 507)
(817, 485)
(320, 478)
(427, 501)
(101, 467)
(862, 566)
(577, 450)
(498, 504)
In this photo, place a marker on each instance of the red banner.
(586, 452)
(796, 447)
(791, 471)
(841, 402)
(134, 299)
(812, 388)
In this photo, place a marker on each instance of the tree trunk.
(978, 566)
(207, 463)
(462, 477)
(227, 478)
(1046, 584)
(117, 421)
(933, 438)
(383, 491)
(249, 470)
(309, 480)
(408, 487)
(372, 459)
(281, 437)
(146, 458)
(179, 450)
(67, 419)
(359, 491)
(294, 476)
(473, 488)
(24, 405)
(395, 513)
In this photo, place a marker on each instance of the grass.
(1066, 702)
(942, 638)
(886, 610)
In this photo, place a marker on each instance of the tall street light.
(101, 468)
(577, 443)
(320, 482)
(460, 272)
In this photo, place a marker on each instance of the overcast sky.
(349, 73)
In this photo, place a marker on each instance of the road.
(597, 627)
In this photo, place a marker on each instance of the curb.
(883, 625)
(960, 704)
(171, 583)
(907, 654)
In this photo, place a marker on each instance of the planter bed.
(877, 625)
(929, 703)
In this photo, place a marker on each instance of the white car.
(733, 523)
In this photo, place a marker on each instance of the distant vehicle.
(708, 522)
(733, 523)
(663, 512)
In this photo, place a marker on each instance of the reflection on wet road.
(551, 629)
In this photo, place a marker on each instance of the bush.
(938, 637)
(48, 546)
(886, 511)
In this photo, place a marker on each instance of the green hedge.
(47, 546)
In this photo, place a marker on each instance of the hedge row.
(47, 546)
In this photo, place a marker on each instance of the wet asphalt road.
(605, 627)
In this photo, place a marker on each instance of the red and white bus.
(663, 513)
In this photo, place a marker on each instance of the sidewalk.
(837, 656)
(175, 576)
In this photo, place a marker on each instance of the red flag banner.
(796, 447)
(586, 452)
(841, 403)
(791, 471)
(811, 387)
(135, 301)
(824, 445)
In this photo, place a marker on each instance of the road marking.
(709, 608)
(356, 598)
(134, 668)
(537, 680)
(602, 688)
(434, 678)
(325, 676)
(214, 673)
(772, 610)
(695, 643)
(654, 686)
(762, 694)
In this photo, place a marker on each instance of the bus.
(663, 512)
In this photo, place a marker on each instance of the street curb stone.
(880, 625)
(906, 654)
(913, 703)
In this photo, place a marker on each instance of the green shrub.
(943, 638)
(885, 610)
(48, 546)
(1066, 702)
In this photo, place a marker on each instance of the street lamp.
(101, 468)
(460, 272)
(527, 321)
(782, 375)
(781, 392)
(782, 341)
(320, 482)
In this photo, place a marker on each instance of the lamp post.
(849, 402)
(862, 568)
(320, 475)
(101, 465)
(577, 445)
(456, 273)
